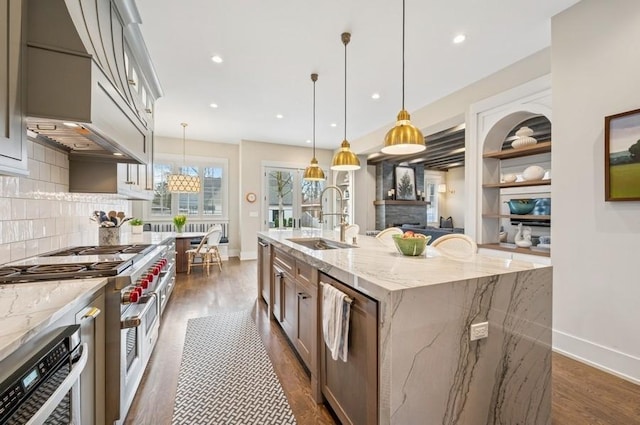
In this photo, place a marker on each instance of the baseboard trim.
(604, 358)
(248, 255)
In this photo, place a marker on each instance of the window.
(208, 203)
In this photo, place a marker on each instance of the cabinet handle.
(280, 274)
(262, 244)
(92, 313)
(303, 296)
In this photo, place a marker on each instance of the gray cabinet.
(13, 141)
(92, 381)
(351, 388)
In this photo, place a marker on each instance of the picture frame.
(405, 183)
(622, 156)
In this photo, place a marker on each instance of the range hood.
(78, 95)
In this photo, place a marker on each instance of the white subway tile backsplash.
(18, 250)
(38, 152)
(49, 155)
(31, 247)
(18, 209)
(32, 208)
(45, 172)
(30, 149)
(38, 215)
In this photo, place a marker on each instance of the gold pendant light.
(345, 160)
(313, 172)
(404, 138)
(182, 183)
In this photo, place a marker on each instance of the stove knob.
(150, 277)
(138, 290)
(144, 283)
(130, 297)
(156, 270)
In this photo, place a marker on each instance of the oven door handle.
(50, 405)
(135, 321)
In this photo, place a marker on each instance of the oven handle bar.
(50, 405)
(135, 321)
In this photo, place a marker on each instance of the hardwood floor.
(581, 395)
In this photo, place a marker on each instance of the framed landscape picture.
(622, 156)
(405, 182)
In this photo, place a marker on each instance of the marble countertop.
(146, 237)
(28, 308)
(383, 266)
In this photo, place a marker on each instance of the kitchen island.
(429, 371)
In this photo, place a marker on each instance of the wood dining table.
(183, 243)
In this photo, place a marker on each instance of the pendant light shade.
(313, 172)
(404, 138)
(345, 159)
(182, 183)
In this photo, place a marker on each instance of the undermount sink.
(320, 243)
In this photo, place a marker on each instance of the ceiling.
(270, 48)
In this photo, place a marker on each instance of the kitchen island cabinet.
(429, 370)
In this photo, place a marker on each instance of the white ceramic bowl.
(509, 178)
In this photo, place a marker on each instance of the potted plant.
(179, 222)
(136, 225)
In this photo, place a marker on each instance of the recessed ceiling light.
(117, 154)
(334, 124)
(216, 59)
(279, 116)
(70, 124)
(308, 141)
(459, 38)
(213, 105)
(375, 96)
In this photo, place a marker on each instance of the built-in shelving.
(512, 248)
(516, 216)
(519, 184)
(542, 147)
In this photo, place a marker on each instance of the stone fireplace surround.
(396, 213)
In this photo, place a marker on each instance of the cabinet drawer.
(285, 261)
(303, 272)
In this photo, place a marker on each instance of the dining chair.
(212, 246)
(456, 244)
(386, 236)
(203, 251)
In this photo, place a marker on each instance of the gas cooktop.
(74, 263)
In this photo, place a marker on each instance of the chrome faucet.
(343, 216)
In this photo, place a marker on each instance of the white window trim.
(437, 178)
(199, 161)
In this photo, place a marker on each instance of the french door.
(290, 201)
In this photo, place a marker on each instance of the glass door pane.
(291, 201)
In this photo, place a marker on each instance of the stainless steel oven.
(138, 336)
(43, 388)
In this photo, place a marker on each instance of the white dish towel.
(336, 310)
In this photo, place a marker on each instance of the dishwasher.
(41, 386)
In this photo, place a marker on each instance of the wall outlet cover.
(479, 331)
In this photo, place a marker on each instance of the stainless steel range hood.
(78, 94)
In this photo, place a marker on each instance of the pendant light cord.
(314, 112)
(346, 37)
(184, 132)
(403, 22)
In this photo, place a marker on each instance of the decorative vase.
(534, 172)
(179, 228)
(509, 178)
(523, 138)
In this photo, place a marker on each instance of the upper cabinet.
(13, 142)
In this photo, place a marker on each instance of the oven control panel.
(19, 386)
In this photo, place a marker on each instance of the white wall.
(595, 71)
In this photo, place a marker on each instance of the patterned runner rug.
(226, 376)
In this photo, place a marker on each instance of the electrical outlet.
(479, 331)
